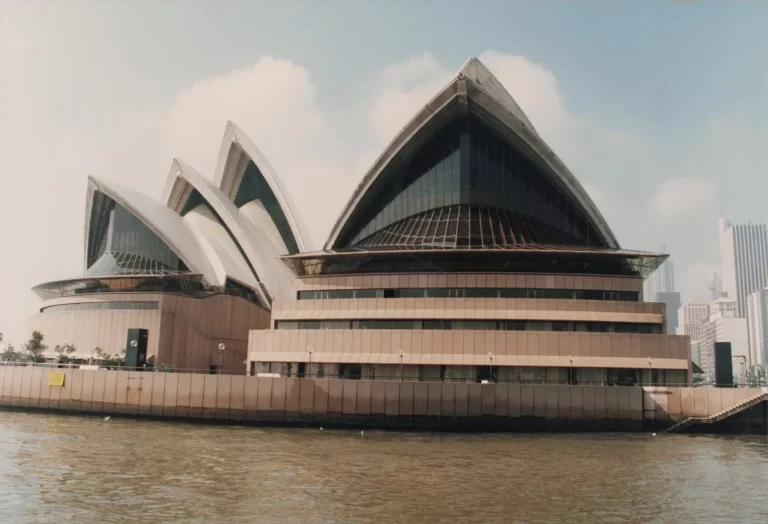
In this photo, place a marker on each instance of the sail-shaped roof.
(245, 176)
(246, 253)
(128, 233)
(469, 170)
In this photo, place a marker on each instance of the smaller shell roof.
(234, 146)
(163, 222)
(259, 252)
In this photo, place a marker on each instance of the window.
(253, 186)
(465, 174)
(627, 296)
(485, 325)
(350, 371)
(89, 306)
(119, 243)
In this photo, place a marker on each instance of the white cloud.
(403, 88)
(535, 89)
(682, 198)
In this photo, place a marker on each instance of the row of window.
(490, 373)
(487, 325)
(84, 306)
(579, 294)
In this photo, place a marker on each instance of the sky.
(660, 109)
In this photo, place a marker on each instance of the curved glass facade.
(484, 182)
(465, 226)
(121, 244)
(252, 187)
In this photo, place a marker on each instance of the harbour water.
(56, 468)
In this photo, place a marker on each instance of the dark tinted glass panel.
(410, 293)
(487, 325)
(562, 326)
(513, 293)
(88, 306)
(466, 187)
(368, 293)
(503, 178)
(429, 176)
(627, 296)
(437, 324)
(237, 289)
(120, 244)
(195, 199)
(254, 187)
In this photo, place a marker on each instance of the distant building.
(715, 285)
(660, 281)
(744, 257)
(671, 299)
(722, 326)
(690, 317)
(757, 323)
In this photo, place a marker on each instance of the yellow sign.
(56, 378)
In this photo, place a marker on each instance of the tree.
(10, 354)
(35, 347)
(64, 352)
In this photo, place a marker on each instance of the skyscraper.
(690, 317)
(671, 300)
(660, 281)
(744, 258)
(757, 324)
(660, 287)
(722, 326)
(715, 285)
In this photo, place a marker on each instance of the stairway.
(720, 415)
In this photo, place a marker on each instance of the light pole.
(401, 364)
(490, 367)
(222, 348)
(309, 366)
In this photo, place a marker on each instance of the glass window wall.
(121, 244)
(625, 296)
(467, 187)
(486, 325)
(254, 186)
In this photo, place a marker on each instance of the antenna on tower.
(721, 211)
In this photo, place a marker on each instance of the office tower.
(690, 317)
(660, 281)
(757, 324)
(672, 301)
(722, 326)
(715, 285)
(744, 258)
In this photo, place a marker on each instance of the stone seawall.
(414, 405)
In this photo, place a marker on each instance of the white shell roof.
(166, 224)
(272, 279)
(230, 165)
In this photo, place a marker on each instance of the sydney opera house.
(468, 252)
